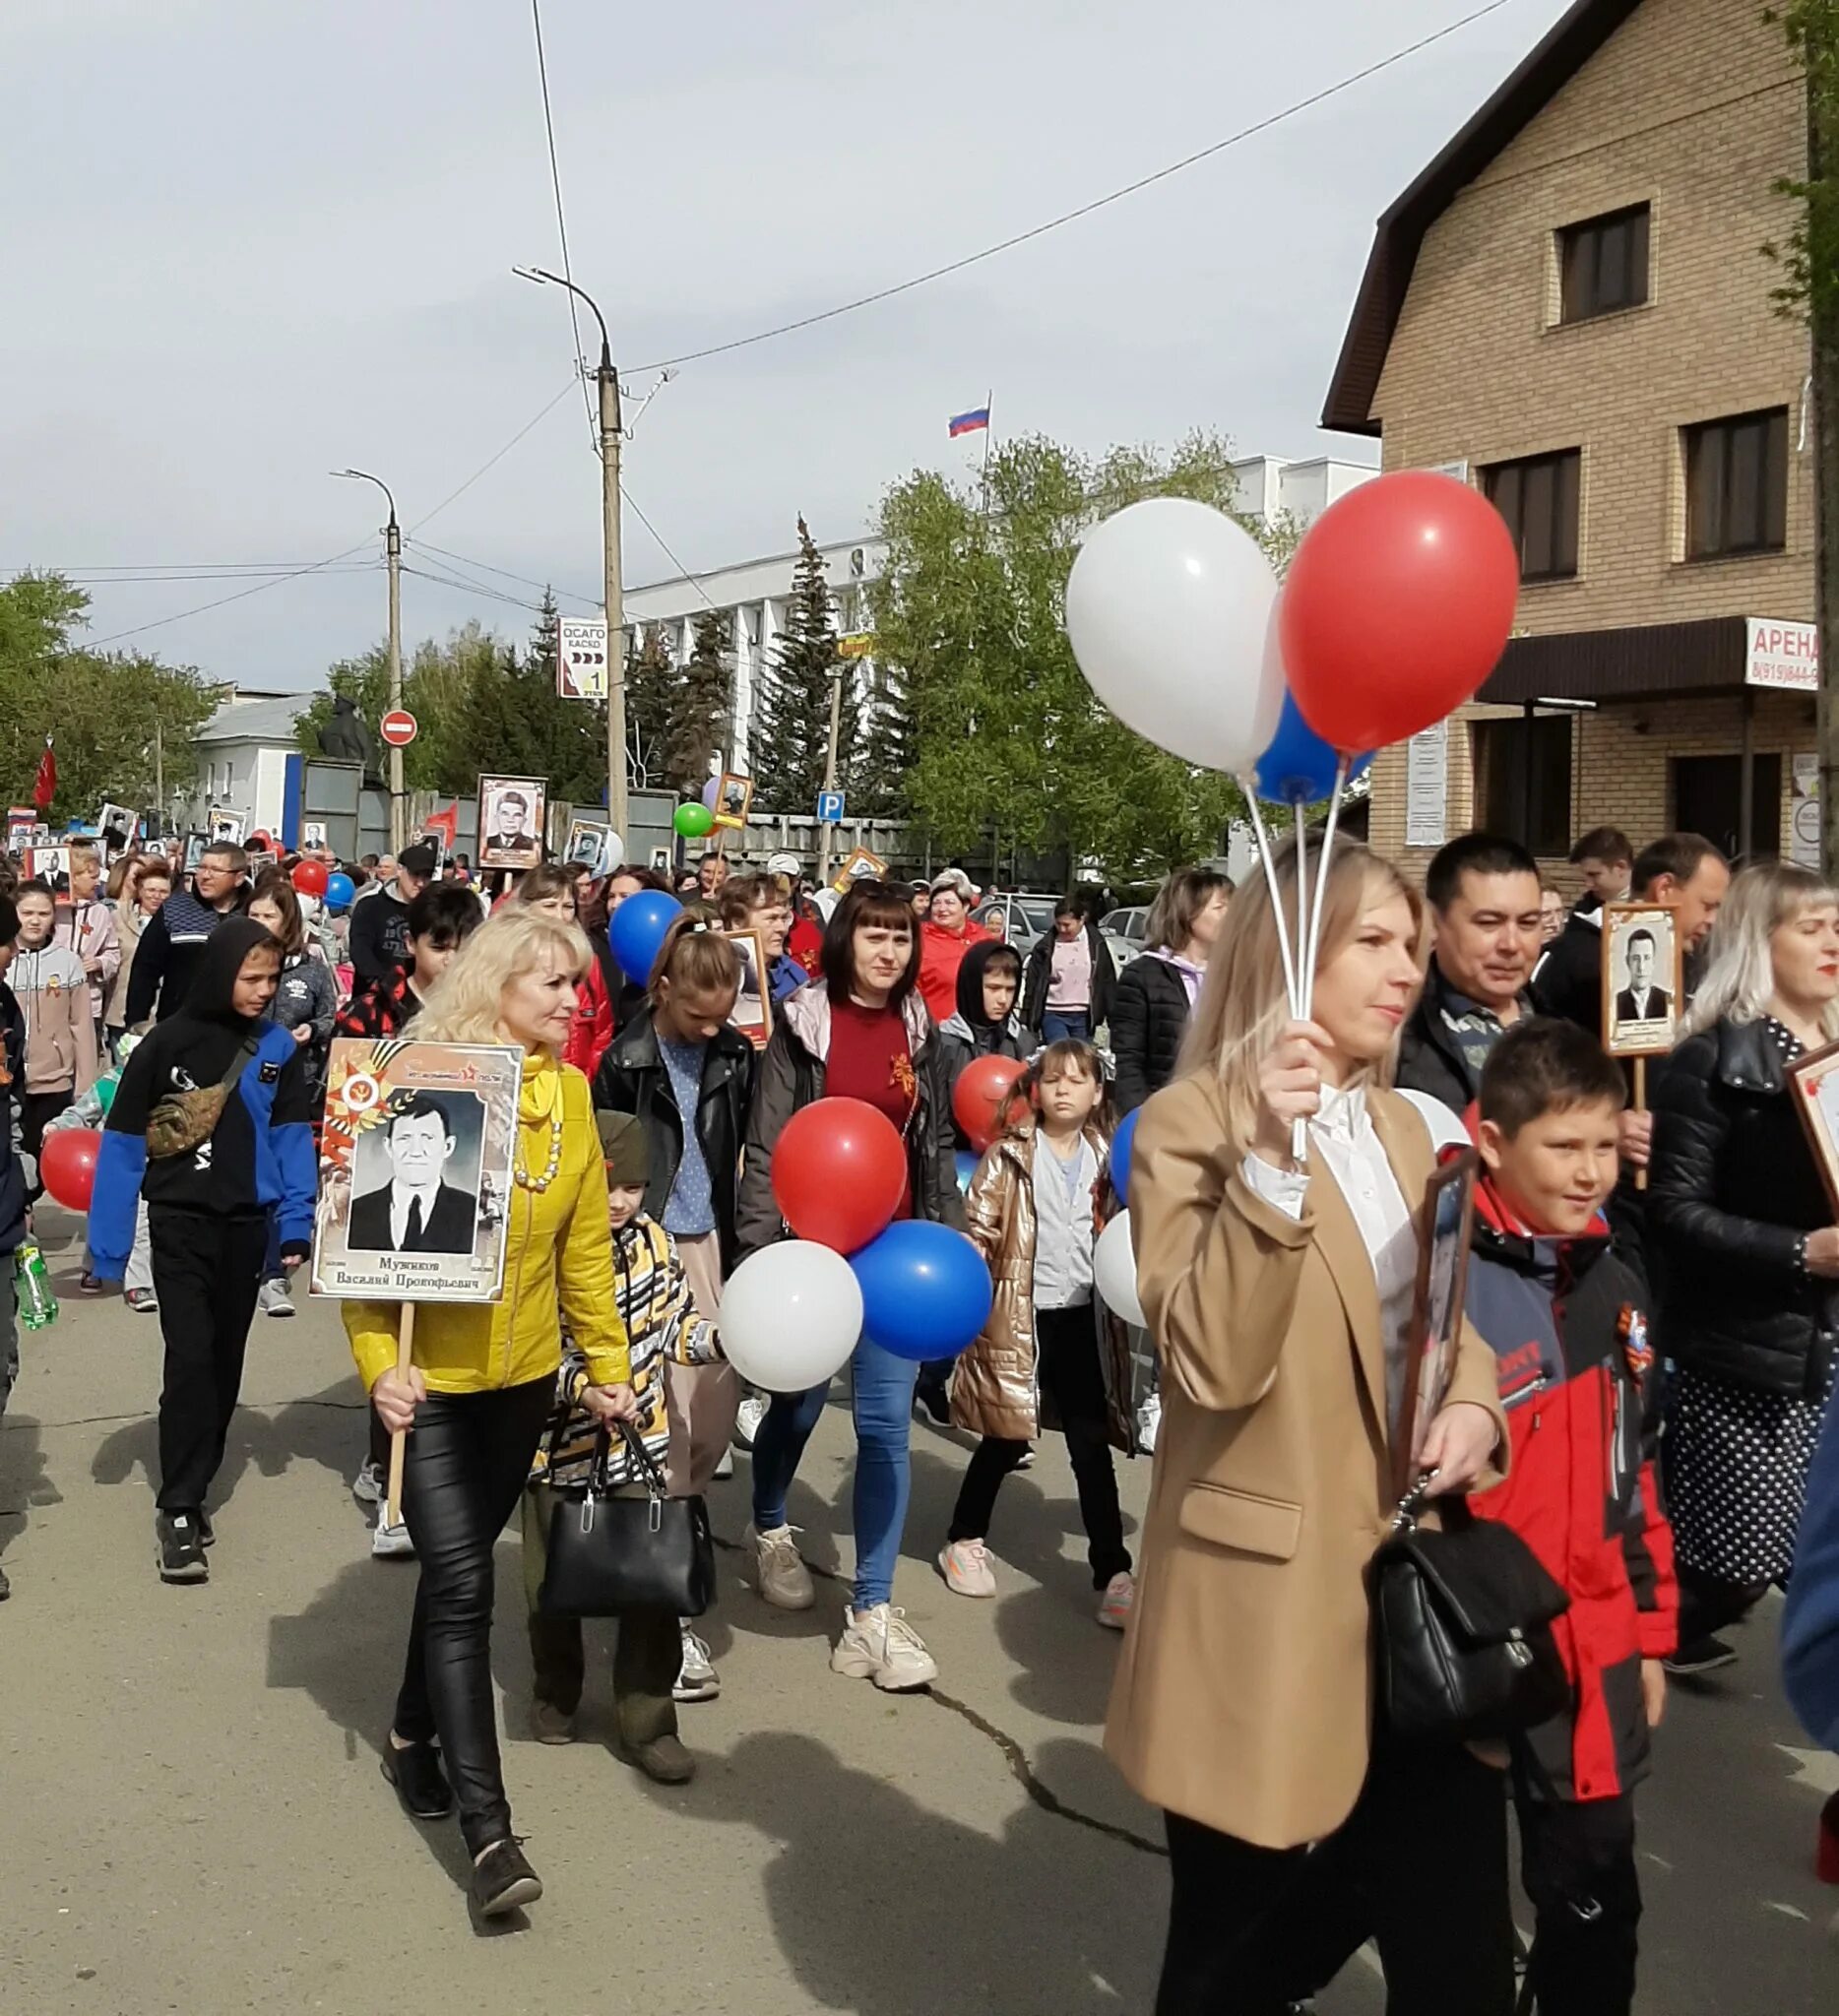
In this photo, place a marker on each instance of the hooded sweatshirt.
(53, 993)
(259, 1155)
(969, 1032)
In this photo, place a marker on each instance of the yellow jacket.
(558, 1261)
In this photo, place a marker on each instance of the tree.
(701, 704)
(793, 740)
(103, 707)
(651, 682)
(878, 783)
(1006, 743)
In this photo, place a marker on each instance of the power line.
(82, 578)
(529, 580)
(1084, 210)
(242, 595)
(493, 461)
(665, 548)
(561, 224)
(473, 587)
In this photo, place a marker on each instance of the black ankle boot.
(421, 1783)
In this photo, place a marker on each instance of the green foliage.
(994, 717)
(696, 724)
(792, 741)
(1808, 262)
(651, 680)
(102, 707)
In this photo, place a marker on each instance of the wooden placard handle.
(1640, 1106)
(399, 1440)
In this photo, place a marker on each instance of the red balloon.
(979, 1095)
(839, 1173)
(67, 1165)
(1396, 608)
(311, 877)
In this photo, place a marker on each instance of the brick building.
(1570, 308)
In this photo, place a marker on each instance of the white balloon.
(1172, 612)
(1114, 1268)
(791, 1316)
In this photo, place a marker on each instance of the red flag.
(445, 824)
(44, 786)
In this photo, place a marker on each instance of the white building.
(754, 594)
(243, 755)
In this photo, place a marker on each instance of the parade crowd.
(1637, 1388)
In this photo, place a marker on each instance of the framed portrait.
(660, 860)
(734, 795)
(589, 842)
(195, 844)
(1642, 995)
(1814, 1079)
(20, 821)
(513, 812)
(312, 833)
(227, 826)
(1445, 1220)
(115, 829)
(861, 860)
(753, 1005)
(415, 1171)
(48, 864)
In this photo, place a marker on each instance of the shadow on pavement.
(24, 1482)
(327, 1429)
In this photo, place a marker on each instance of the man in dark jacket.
(1568, 979)
(1053, 956)
(175, 935)
(14, 1176)
(380, 923)
(1484, 896)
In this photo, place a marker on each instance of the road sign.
(581, 657)
(829, 807)
(398, 727)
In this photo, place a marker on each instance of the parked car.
(1017, 917)
(1128, 925)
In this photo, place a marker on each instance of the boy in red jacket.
(1569, 1327)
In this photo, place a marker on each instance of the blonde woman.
(1278, 1295)
(1749, 1288)
(480, 1389)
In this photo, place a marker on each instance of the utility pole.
(825, 829)
(613, 590)
(392, 549)
(160, 776)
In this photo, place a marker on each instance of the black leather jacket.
(1732, 1191)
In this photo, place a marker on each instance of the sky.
(249, 244)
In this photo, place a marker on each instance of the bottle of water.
(31, 1284)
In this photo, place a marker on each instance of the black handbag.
(609, 1553)
(1464, 1620)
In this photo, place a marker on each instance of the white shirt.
(1063, 1227)
(1342, 1137)
(401, 1195)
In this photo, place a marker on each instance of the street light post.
(607, 381)
(393, 546)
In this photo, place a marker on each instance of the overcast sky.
(247, 245)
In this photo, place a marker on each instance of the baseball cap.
(782, 864)
(418, 859)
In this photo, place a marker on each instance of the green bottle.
(31, 1284)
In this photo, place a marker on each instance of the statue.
(348, 739)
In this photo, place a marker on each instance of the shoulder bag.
(1464, 1620)
(180, 1120)
(611, 1553)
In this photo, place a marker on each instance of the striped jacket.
(653, 1295)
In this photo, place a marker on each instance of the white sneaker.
(748, 1417)
(391, 1542)
(880, 1645)
(274, 1300)
(697, 1678)
(965, 1565)
(778, 1570)
(370, 1487)
(1118, 1602)
(725, 1468)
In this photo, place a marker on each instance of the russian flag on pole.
(972, 422)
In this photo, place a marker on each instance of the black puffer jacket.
(1148, 1014)
(1732, 1189)
(1034, 978)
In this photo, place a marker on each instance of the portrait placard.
(1642, 994)
(195, 844)
(227, 826)
(660, 860)
(860, 862)
(591, 842)
(116, 827)
(753, 1005)
(1445, 1223)
(48, 864)
(512, 814)
(1815, 1082)
(415, 1171)
(734, 795)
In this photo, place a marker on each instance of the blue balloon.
(1121, 1153)
(341, 890)
(925, 1290)
(638, 930)
(1298, 767)
(966, 1159)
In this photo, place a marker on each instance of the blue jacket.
(1810, 1623)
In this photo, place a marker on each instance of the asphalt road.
(194, 1820)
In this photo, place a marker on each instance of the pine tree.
(889, 749)
(697, 722)
(793, 733)
(650, 686)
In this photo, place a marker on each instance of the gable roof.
(1569, 44)
(270, 718)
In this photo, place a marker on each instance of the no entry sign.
(398, 727)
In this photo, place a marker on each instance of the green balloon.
(693, 821)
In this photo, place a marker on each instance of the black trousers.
(1069, 1375)
(1708, 1604)
(467, 1461)
(206, 1272)
(1422, 1858)
(1577, 1863)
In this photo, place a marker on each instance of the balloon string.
(1314, 940)
(1263, 839)
(1306, 968)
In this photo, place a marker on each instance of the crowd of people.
(1653, 1284)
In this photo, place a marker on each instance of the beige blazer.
(1243, 1696)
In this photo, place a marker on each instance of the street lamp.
(608, 379)
(393, 542)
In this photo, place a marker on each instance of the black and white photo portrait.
(417, 1178)
(1640, 979)
(512, 814)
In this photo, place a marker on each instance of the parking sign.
(829, 807)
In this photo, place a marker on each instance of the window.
(1602, 264)
(1523, 781)
(1538, 497)
(1737, 486)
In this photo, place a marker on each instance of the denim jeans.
(882, 1400)
(1056, 1023)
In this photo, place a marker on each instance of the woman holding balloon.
(857, 1037)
